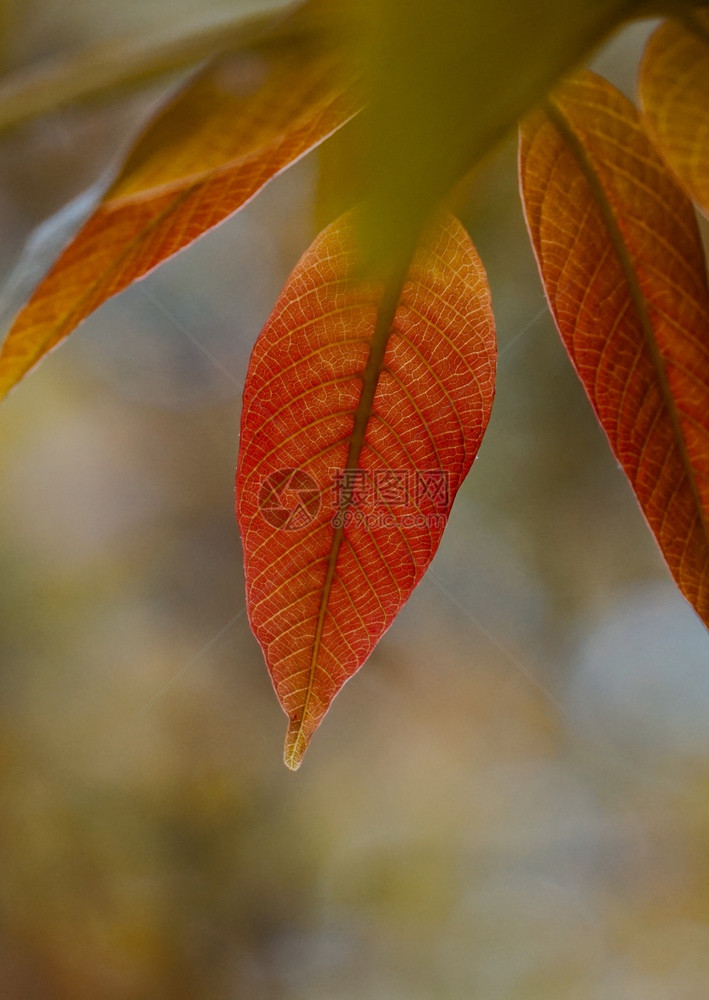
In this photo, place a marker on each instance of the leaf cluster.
(379, 358)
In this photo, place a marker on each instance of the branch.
(118, 65)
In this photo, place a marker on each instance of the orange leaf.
(360, 421)
(206, 154)
(620, 256)
(674, 91)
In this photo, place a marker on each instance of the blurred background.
(510, 801)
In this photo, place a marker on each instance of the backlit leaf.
(210, 150)
(620, 256)
(674, 91)
(331, 555)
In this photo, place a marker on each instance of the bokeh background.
(510, 802)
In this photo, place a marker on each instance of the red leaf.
(333, 385)
(206, 154)
(674, 90)
(619, 253)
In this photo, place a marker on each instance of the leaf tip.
(8, 378)
(297, 742)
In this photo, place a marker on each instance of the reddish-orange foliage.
(366, 402)
(224, 136)
(674, 91)
(621, 259)
(355, 437)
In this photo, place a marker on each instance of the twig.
(120, 64)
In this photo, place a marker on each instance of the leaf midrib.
(563, 125)
(393, 286)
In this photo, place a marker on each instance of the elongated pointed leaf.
(621, 260)
(674, 92)
(356, 434)
(231, 130)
